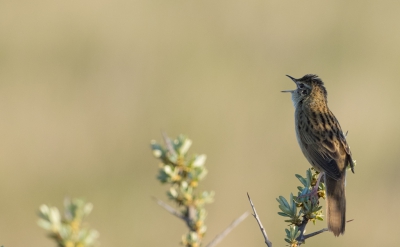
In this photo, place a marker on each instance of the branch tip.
(255, 215)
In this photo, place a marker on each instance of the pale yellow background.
(85, 86)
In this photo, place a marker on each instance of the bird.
(324, 145)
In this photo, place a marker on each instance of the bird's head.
(309, 88)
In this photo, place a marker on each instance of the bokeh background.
(85, 86)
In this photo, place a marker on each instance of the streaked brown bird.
(323, 144)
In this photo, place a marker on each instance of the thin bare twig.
(223, 234)
(304, 237)
(170, 209)
(176, 213)
(255, 215)
(314, 234)
(168, 143)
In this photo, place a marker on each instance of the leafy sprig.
(69, 230)
(183, 174)
(302, 208)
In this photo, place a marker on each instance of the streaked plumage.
(323, 144)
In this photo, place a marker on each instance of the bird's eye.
(304, 92)
(301, 85)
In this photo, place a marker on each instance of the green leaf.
(184, 147)
(44, 224)
(309, 175)
(199, 160)
(293, 207)
(284, 214)
(302, 180)
(285, 210)
(202, 173)
(158, 151)
(307, 205)
(284, 202)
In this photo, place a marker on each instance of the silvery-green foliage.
(183, 172)
(68, 229)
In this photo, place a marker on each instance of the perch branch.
(314, 234)
(304, 237)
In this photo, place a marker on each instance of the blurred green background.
(85, 86)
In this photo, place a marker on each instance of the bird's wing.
(320, 157)
(342, 139)
(341, 136)
(346, 147)
(325, 149)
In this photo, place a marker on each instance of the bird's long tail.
(336, 205)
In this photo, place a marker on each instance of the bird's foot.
(313, 194)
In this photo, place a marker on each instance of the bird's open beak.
(289, 91)
(292, 78)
